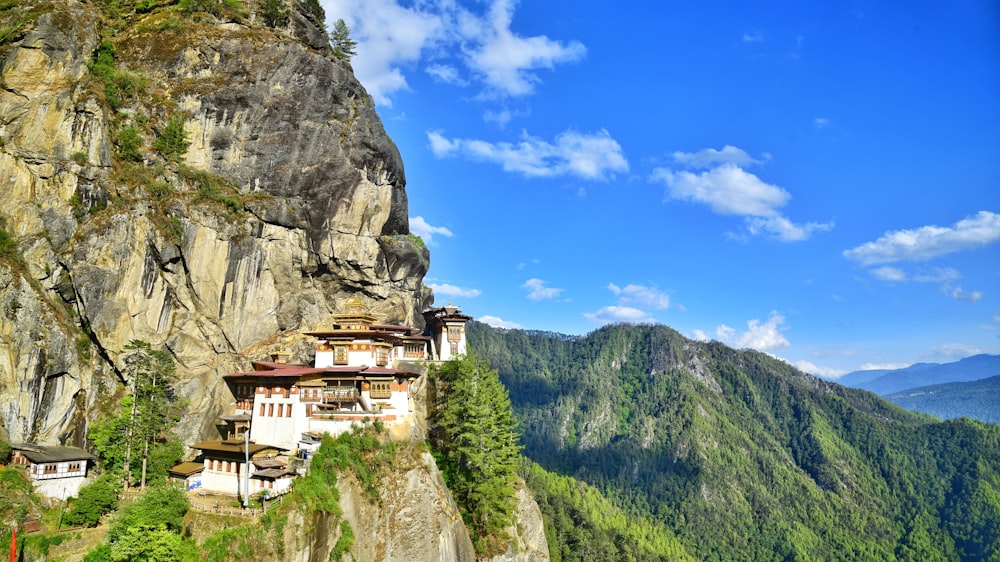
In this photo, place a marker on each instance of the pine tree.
(343, 45)
(478, 436)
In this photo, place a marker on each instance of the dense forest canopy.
(743, 456)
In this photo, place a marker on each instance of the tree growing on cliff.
(476, 437)
(144, 420)
(343, 45)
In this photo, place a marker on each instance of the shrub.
(130, 144)
(172, 142)
(94, 501)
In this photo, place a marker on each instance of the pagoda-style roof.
(235, 446)
(448, 312)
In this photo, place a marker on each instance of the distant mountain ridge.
(978, 399)
(888, 381)
(742, 456)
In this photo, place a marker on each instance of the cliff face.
(289, 199)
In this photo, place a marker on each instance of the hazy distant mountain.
(885, 382)
(977, 399)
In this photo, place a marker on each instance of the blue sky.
(816, 180)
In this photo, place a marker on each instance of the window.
(281, 410)
(270, 410)
(288, 410)
(340, 355)
(381, 390)
(262, 410)
(381, 356)
(74, 467)
(49, 469)
(454, 333)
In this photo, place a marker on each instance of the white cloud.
(390, 37)
(755, 37)
(454, 290)
(502, 117)
(425, 231)
(938, 275)
(595, 156)
(507, 62)
(928, 242)
(727, 189)
(813, 369)
(641, 295)
(393, 39)
(820, 122)
(762, 336)
(700, 335)
(612, 314)
(498, 322)
(445, 73)
(883, 366)
(708, 157)
(954, 351)
(722, 183)
(784, 229)
(960, 294)
(888, 273)
(537, 291)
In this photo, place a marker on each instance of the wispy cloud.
(820, 122)
(612, 314)
(762, 336)
(813, 369)
(508, 63)
(958, 293)
(454, 290)
(720, 181)
(461, 44)
(709, 157)
(537, 291)
(426, 231)
(445, 73)
(641, 295)
(928, 242)
(753, 37)
(498, 322)
(889, 273)
(595, 156)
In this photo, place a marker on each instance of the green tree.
(343, 45)
(476, 434)
(145, 419)
(314, 8)
(172, 142)
(130, 144)
(274, 13)
(94, 501)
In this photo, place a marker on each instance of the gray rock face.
(114, 255)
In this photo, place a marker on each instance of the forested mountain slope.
(743, 456)
(885, 382)
(978, 400)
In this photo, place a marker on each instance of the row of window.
(55, 468)
(222, 466)
(284, 410)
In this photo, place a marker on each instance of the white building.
(354, 377)
(55, 472)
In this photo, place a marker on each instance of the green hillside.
(978, 400)
(742, 456)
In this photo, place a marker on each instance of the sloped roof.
(44, 454)
(234, 446)
(187, 468)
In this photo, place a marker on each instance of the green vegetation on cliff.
(475, 436)
(744, 457)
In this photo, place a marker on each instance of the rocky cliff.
(281, 197)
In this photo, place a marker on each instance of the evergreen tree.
(172, 142)
(477, 436)
(343, 45)
(143, 423)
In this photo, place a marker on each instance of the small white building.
(55, 472)
(224, 467)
